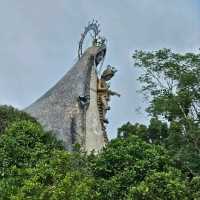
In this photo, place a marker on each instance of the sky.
(39, 40)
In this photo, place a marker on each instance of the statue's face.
(100, 55)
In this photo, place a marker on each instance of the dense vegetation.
(154, 162)
(172, 83)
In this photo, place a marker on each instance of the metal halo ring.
(92, 27)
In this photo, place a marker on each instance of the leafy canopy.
(171, 81)
(33, 165)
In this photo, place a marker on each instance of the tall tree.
(171, 82)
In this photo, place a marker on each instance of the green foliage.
(172, 83)
(33, 165)
(8, 115)
(160, 185)
(194, 188)
(57, 178)
(126, 163)
(129, 129)
(154, 162)
(23, 144)
(155, 133)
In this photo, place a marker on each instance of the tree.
(160, 185)
(8, 115)
(171, 81)
(126, 163)
(22, 146)
(34, 165)
(155, 133)
(194, 188)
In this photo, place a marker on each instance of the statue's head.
(98, 49)
(108, 73)
(99, 41)
(96, 53)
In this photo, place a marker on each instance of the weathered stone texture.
(59, 109)
(94, 133)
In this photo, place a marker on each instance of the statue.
(104, 93)
(108, 73)
(75, 108)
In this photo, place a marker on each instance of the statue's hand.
(114, 93)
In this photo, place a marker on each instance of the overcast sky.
(39, 40)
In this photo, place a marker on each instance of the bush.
(126, 163)
(194, 188)
(159, 185)
(8, 115)
(34, 165)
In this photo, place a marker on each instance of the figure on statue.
(104, 93)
